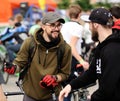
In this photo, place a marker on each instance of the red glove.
(79, 66)
(43, 84)
(9, 68)
(48, 81)
(79, 69)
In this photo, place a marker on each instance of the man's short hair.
(115, 10)
(74, 10)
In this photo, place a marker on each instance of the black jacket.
(105, 67)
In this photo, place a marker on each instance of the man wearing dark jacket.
(105, 65)
(43, 74)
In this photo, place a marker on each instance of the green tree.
(102, 4)
(85, 4)
(64, 4)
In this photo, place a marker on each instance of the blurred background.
(34, 9)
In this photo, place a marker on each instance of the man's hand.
(85, 64)
(9, 68)
(48, 81)
(64, 92)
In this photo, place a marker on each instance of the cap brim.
(59, 19)
(85, 18)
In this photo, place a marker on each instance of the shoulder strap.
(60, 54)
(32, 49)
(31, 53)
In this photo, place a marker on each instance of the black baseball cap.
(101, 16)
(51, 17)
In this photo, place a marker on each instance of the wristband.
(55, 77)
(81, 61)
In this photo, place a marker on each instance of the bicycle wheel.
(80, 95)
(3, 57)
(76, 96)
(4, 76)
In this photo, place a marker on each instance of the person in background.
(38, 22)
(115, 10)
(9, 27)
(16, 37)
(87, 33)
(35, 27)
(72, 33)
(43, 74)
(105, 66)
(11, 22)
(2, 96)
(88, 44)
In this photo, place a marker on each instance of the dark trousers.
(27, 98)
(12, 50)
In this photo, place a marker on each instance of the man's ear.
(43, 26)
(95, 25)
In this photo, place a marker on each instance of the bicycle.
(3, 57)
(82, 93)
(21, 92)
(15, 95)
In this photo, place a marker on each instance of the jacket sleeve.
(22, 56)
(110, 80)
(86, 78)
(66, 63)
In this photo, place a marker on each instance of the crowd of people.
(57, 52)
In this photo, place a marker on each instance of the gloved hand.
(79, 66)
(9, 68)
(48, 81)
(79, 69)
(44, 85)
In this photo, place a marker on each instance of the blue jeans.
(12, 49)
(68, 98)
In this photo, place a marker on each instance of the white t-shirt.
(70, 29)
(87, 34)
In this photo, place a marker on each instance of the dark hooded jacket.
(44, 62)
(105, 67)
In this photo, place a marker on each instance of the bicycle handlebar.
(13, 93)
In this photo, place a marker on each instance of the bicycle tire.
(80, 95)
(3, 57)
(6, 77)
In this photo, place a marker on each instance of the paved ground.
(11, 87)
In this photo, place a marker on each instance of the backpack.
(32, 50)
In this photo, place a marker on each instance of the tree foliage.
(64, 4)
(101, 4)
(85, 4)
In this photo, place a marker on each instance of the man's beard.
(52, 38)
(95, 36)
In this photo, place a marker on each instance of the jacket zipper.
(45, 57)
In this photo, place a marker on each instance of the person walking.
(72, 33)
(105, 63)
(43, 74)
